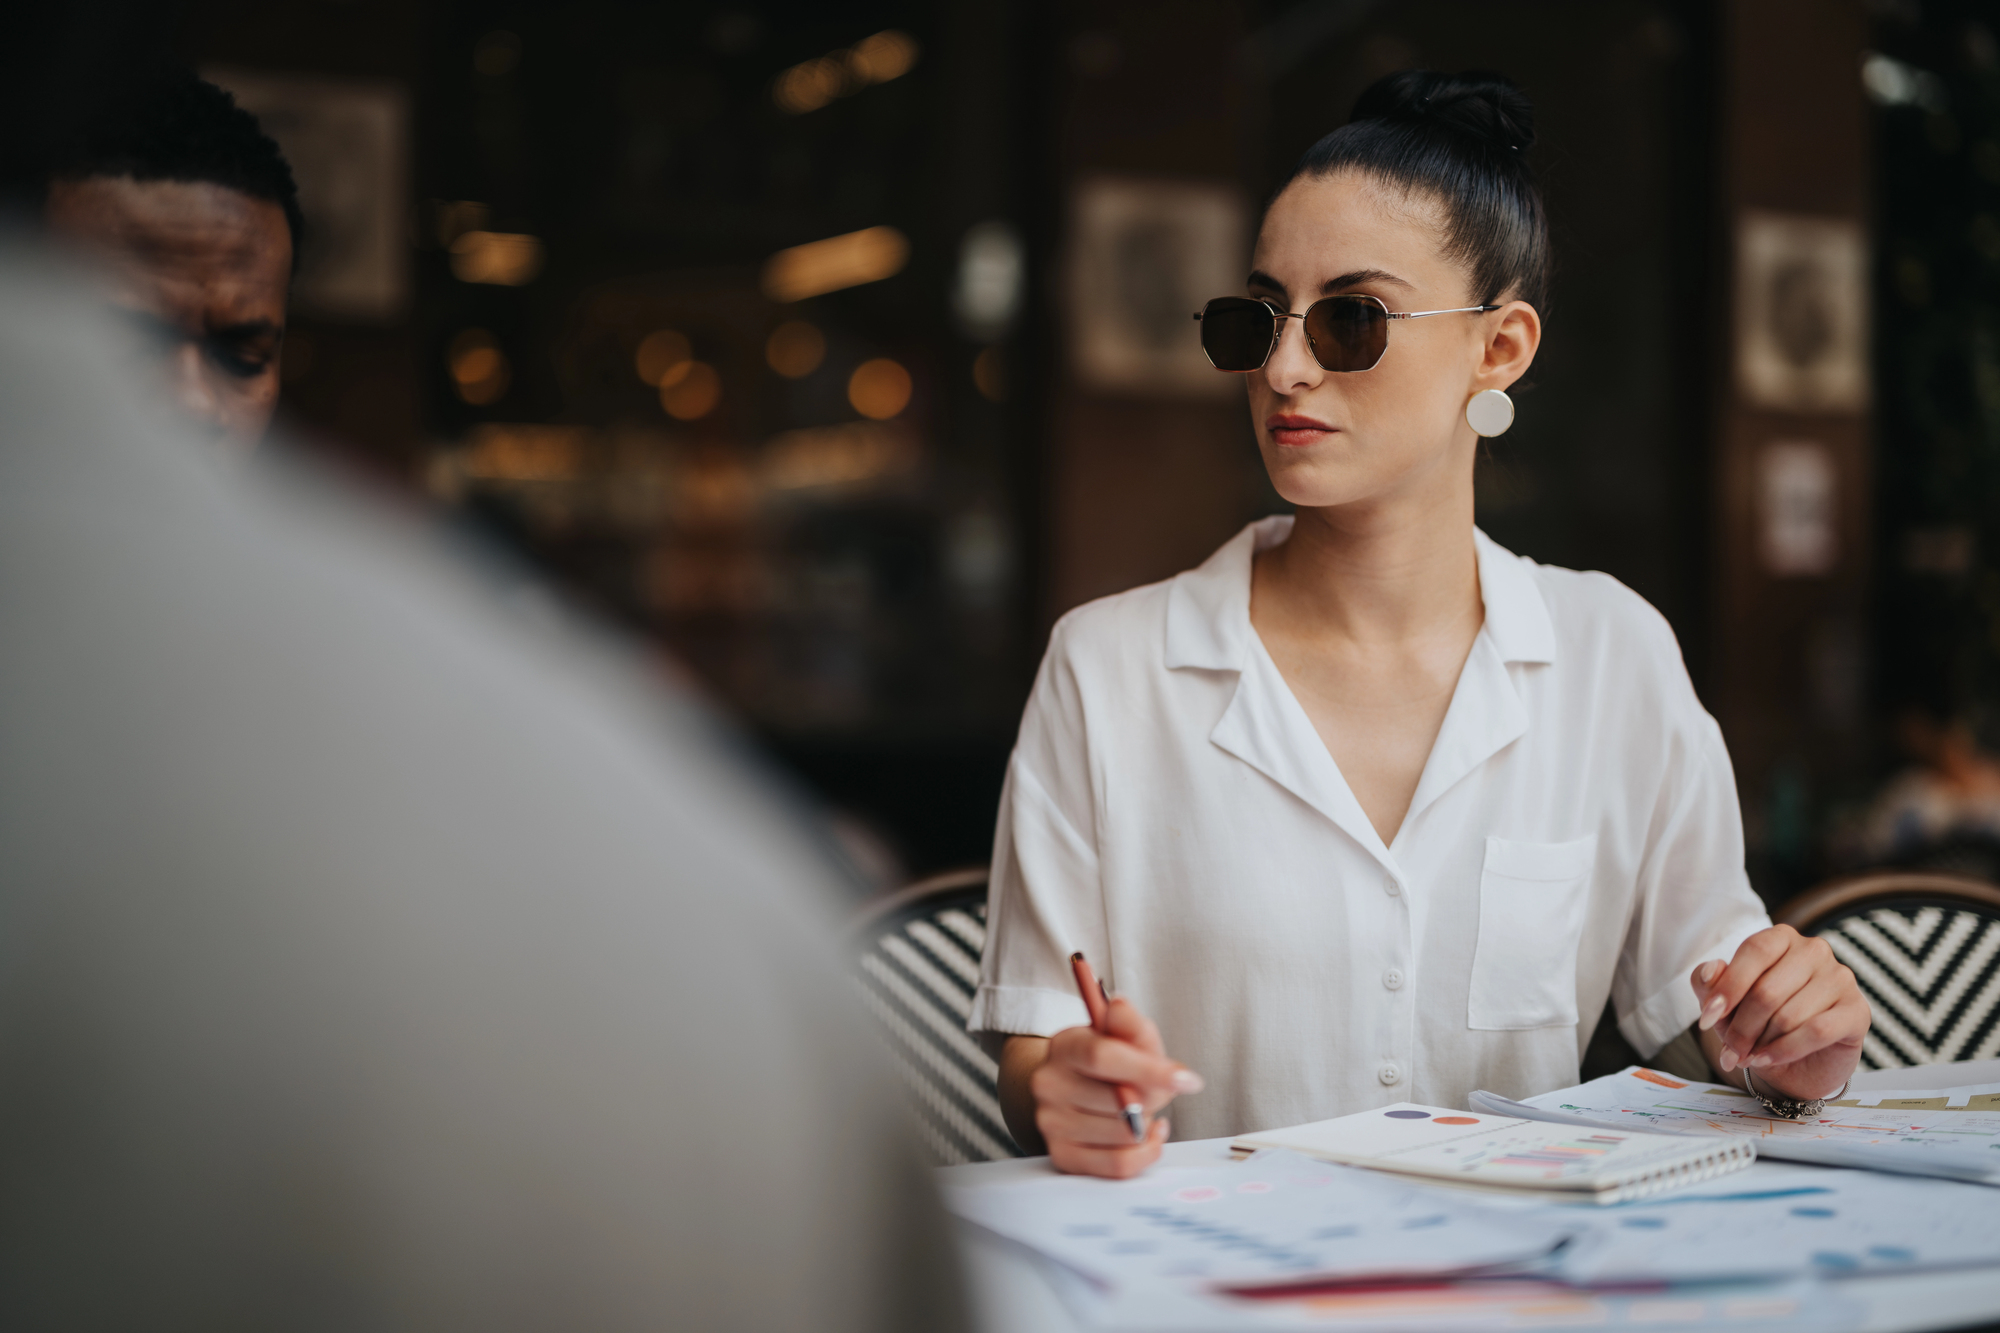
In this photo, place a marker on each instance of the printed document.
(1951, 1132)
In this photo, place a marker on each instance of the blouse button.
(1393, 979)
(1388, 1074)
(1391, 887)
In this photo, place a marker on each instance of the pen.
(1097, 1001)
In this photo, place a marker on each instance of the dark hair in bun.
(1463, 139)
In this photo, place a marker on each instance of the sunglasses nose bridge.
(1278, 327)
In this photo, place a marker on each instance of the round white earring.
(1490, 412)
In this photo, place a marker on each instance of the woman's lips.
(1293, 432)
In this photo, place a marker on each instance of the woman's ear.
(1513, 337)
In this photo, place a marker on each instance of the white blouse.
(1170, 811)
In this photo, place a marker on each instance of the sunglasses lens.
(1347, 332)
(1236, 333)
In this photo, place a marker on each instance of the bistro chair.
(1926, 950)
(916, 958)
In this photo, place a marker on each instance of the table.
(1013, 1294)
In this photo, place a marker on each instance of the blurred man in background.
(191, 213)
(372, 959)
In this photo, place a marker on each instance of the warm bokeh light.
(663, 358)
(503, 259)
(508, 452)
(879, 389)
(820, 456)
(989, 375)
(795, 349)
(885, 56)
(819, 267)
(479, 369)
(811, 84)
(694, 394)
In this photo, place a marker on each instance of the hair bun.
(1477, 103)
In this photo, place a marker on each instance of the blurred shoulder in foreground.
(370, 958)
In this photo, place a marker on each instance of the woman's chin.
(1311, 483)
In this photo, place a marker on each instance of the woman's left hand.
(1787, 1010)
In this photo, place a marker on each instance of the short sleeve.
(1694, 901)
(1046, 899)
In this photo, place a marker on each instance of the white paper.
(1498, 1150)
(1784, 1220)
(1275, 1217)
(1471, 1306)
(1952, 1132)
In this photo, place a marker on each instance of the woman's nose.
(1290, 368)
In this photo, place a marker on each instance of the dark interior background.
(878, 633)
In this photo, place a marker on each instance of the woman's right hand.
(1065, 1085)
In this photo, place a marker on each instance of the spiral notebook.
(1595, 1164)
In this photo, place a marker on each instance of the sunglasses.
(1344, 333)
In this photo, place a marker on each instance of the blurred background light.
(987, 295)
(694, 392)
(479, 369)
(664, 358)
(811, 84)
(795, 349)
(838, 262)
(1890, 82)
(879, 389)
(503, 259)
(509, 452)
(836, 455)
(885, 56)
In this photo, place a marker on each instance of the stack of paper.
(1278, 1219)
(1782, 1220)
(1950, 1132)
(1508, 1153)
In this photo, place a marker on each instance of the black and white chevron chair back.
(1926, 950)
(917, 963)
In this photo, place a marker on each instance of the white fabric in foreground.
(373, 958)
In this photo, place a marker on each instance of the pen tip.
(1076, 957)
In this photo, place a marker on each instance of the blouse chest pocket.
(1532, 898)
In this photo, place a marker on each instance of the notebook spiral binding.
(1720, 1161)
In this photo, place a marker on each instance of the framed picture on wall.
(1802, 313)
(347, 141)
(1144, 255)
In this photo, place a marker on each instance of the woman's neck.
(1380, 572)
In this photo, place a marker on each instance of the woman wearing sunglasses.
(1367, 809)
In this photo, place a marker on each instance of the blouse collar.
(1208, 607)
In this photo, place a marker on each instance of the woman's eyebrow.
(1359, 276)
(1259, 278)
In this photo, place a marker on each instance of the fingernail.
(1711, 1012)
(1758, 1061)
(1186, 1080)
(1728, 1060)
(1709, 971)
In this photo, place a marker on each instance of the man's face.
(205, 270)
